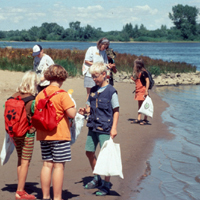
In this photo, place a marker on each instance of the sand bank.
(137, 143)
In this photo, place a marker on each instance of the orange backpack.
(16, 122)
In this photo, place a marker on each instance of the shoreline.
(110, 41)
(136, 142)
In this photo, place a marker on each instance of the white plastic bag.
(7, 149)
(76, 127)
(147, 107)
(109, 160)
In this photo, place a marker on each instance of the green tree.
(128, 29)
(184, 18)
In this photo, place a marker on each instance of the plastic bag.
(7, 149)
(85, 68)
(147, 107)
(75, 129)
(109, 160)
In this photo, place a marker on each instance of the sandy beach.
(136, 142)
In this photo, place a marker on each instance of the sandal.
(93, 184)
(104, 190)
(24, 195)
(136, 121)
(144, 122)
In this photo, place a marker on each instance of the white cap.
(36, 50)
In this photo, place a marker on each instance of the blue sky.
(107, 14)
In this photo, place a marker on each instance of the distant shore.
(110, 41)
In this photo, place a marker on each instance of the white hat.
(36, 50)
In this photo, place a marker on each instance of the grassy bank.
(72, 60)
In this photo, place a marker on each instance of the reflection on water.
(175, 164)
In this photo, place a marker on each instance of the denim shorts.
(56, 151)
(93, 138)
(88, 82)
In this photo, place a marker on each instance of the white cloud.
(146, 9)
(17, 19)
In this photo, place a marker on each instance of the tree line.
(184, 19)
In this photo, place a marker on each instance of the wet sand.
(136, 142)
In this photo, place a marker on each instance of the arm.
(113, 131)
(147, 86)
(71, 112)
(88, 62)
(113, 67)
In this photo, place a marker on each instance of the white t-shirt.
(40, 65)
(93, 54)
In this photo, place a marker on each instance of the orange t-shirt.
(61, 102)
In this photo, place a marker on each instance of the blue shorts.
(56, 151)
(93, 138)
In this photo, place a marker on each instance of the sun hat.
(110, 53)
(36, 50)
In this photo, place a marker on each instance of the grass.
(72, 60)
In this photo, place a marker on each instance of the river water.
(175, 164)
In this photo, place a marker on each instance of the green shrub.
(69, 66)
(154, 70)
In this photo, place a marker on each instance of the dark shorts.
(56, 151)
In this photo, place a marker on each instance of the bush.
(72, 60)
(154, 70)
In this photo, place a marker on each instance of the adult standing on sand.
(94, 54)
(41, 62)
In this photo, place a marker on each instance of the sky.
(109, 15)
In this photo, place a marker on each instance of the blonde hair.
(98, 67)
(56, 73)
(29, 83)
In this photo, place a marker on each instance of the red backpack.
(45, 117)
(16, 122)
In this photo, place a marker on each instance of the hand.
(146, 93)
(82, 111)
(113, 132)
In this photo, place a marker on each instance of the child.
(142, 84)
(112, 66)
(24, 145)
(55, 145)
(103, 107)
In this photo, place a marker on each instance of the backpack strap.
(27, 99)
(49, 97)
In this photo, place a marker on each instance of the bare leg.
(22, 171)
(58, 175)
(92, 158)
(22, 174)
(139, 105)
(88, 93)
(46, 178)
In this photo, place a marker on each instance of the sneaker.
(24, 195)
(93, 184)
(105, 189)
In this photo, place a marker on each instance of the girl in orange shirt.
(141, 80)
(55, 144)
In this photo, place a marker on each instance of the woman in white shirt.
(95, 54)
